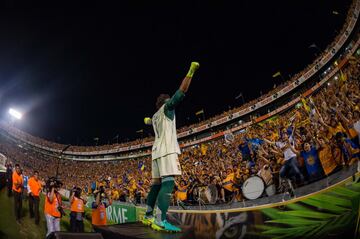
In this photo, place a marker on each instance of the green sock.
(167, 187)
(151, 198)
(194, 66)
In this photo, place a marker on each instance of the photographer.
(98, 217)
(77, 210)
(53, 206)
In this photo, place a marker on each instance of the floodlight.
(16, 114)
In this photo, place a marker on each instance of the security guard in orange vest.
(34, 189)
(17, 187)
(77, 210)
(98, 217)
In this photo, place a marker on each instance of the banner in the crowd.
(229, 137)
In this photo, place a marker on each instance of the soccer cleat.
(157, 226)
(148, 220)
(169, 227)
(164, 226)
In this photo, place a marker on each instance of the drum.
(253, 187)
(206, 194)
(270, 190)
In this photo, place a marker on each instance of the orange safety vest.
(16, 178)
(35, 186)
(52, 208)
(77, 205)
(98, 217)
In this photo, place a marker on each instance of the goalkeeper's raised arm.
(187, 80)
(184, 87)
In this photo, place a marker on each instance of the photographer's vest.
(52, 208)
(77, 205)
(165, 135)
(98, 217)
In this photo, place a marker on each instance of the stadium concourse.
(311, 135)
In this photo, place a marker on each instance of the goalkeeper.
(165, 151)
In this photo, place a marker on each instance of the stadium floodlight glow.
(16, 114)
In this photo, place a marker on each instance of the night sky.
(79, 73)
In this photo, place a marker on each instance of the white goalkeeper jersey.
(165, 135)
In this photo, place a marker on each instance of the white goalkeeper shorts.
(166, 166)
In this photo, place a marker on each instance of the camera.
(61, 210)
(101, 191)
(53, 182)
(77, 192)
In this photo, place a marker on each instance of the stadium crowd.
(310, 141)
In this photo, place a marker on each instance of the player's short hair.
(161, 100)
(17, 165)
